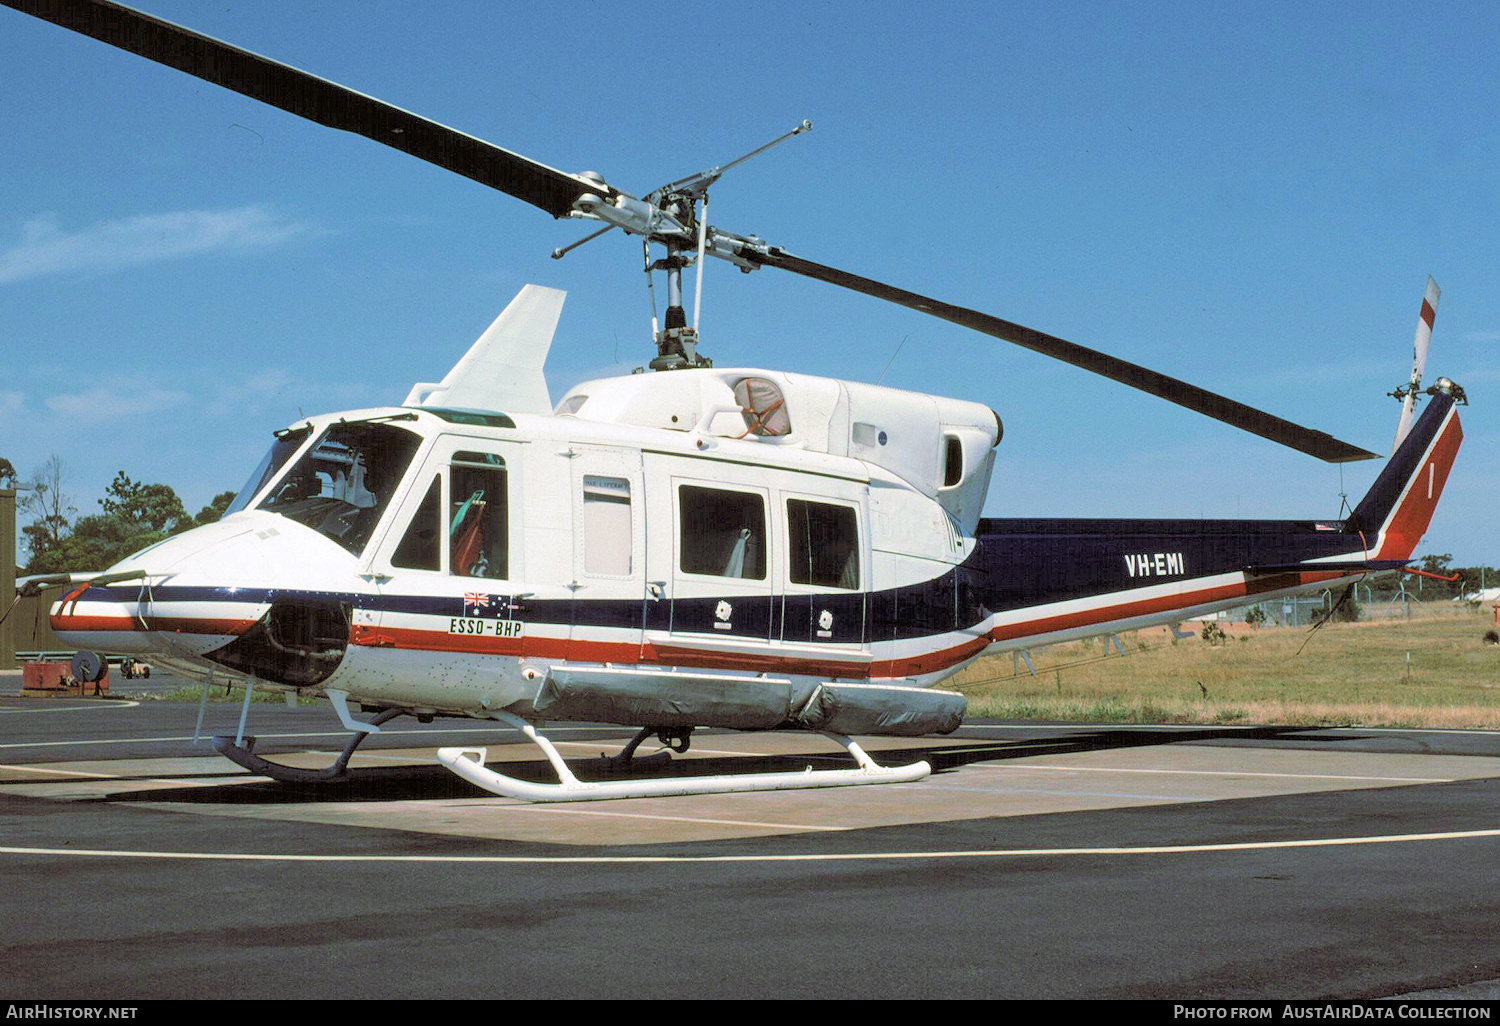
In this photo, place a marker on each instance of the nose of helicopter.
(97, 617)
(183, 596)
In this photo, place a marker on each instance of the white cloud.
(273, 381)
(122, 400)
(1481, 336)
(11, 404)
(46, 248)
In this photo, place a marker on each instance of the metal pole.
(7, 577)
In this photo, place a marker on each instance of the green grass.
(1345, 673)
(217, 693)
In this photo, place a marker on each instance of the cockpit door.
(451, 569)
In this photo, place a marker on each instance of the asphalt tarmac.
(1038, 861)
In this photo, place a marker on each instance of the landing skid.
(469, 764)
(241, 751)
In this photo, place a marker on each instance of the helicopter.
(693, 547)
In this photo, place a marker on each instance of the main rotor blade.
(1314, 443)
(316, 99)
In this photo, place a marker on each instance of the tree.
(1436, 564)
(132, 516)
(50, 509)
(214, 510)
(95, 543)
(153, 506)
(1475, 578)
(7, 473)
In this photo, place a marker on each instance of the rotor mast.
(676, 217)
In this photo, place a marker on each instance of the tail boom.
(1045, 581)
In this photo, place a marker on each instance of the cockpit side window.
(421, 545)
(478, 516)
(341, 486)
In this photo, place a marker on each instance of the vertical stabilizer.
(1395, 513)
(502, 371)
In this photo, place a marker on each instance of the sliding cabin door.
(710, 574)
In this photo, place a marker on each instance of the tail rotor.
(1408, 393)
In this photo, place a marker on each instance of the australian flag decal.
(481, 605)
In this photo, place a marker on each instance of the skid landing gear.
(678, 739)
(241, 751)
(469, 764)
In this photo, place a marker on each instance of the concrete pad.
(1025, 786)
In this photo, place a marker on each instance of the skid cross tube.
(469, 764)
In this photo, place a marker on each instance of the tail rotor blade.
(1420, 346)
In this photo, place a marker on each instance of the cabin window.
(478, 521)
(723, 533)
(824, 550)
(341, 486)
(607, 539)
(421, 546)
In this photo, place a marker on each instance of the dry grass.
(1356, 674)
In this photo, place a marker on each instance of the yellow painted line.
(165, 781)
(705, 751)
(1167, 727)
(1218, 773)
(905, 856)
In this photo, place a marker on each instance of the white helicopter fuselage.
(702, 547)
(656, 527)
(694, 548)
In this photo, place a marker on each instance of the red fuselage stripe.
(656, 654)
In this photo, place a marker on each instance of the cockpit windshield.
(343, 483)
(287, 442)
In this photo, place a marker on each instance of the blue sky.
(1247, 196)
